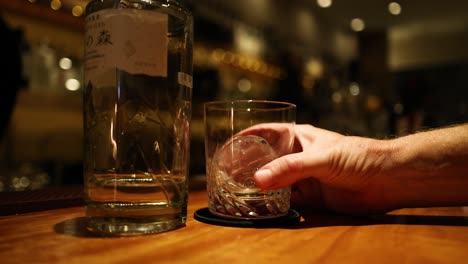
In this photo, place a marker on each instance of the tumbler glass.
(241, 137)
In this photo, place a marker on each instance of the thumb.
(281, 172)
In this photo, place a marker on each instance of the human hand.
(327, 170)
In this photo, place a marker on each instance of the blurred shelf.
(43, 13)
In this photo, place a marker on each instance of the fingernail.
(263, 178)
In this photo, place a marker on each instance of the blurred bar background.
(372, 68)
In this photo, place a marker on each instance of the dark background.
(401, 74)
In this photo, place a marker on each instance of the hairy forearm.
(430, 168)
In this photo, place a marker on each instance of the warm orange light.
(77, 11)
(55, 4)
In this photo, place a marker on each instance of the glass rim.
(271, 105)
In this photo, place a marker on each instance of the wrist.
(423, 171)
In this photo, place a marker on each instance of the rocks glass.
(240, 138)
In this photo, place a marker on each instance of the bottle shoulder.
(171, 7)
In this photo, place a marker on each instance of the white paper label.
(131, 40)
(184, 79)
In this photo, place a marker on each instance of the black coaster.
(204, 215)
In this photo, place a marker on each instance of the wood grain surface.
(420, 235)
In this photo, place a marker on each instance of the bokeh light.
(394, 8)
(65, 63)
(77, 11)
(55, 4)
(324, 3)
(72, 84)
(357, 24)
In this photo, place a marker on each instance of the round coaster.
(204, 215)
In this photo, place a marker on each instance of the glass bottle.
(137, 111)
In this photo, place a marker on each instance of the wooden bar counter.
(420, 235)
